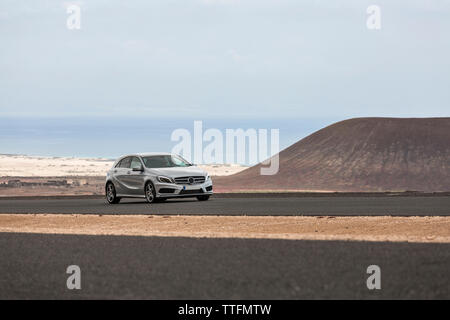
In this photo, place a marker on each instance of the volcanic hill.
(361, 154)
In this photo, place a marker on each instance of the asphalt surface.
(34, 266)
(348, 205)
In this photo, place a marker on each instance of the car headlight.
(207, 177)
(164, 179)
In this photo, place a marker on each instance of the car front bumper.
(172, 190)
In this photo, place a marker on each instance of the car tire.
(202, 198)
(149, 192)
(111, 196)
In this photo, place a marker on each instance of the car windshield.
(165, 161)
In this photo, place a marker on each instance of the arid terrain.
(51, 186)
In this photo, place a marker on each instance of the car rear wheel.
(202, 198)
(150, 193)
(111, 196)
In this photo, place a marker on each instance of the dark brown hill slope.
(362, 154)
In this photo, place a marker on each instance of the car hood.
(179, 171)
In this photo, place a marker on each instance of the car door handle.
(129, 172)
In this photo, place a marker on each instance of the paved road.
(388, 205)
(34, 266)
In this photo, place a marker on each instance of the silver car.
(156, 177)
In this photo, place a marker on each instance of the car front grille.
(190, 180)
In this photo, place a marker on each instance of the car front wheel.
(150, 193)
(111, 196)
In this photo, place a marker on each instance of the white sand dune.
(32, 166)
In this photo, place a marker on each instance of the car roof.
(145, 154)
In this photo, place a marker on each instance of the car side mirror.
(140, 169)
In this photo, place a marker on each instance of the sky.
(306, 61)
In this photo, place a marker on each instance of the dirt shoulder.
(404, 229)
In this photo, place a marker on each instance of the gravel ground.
(364, 228)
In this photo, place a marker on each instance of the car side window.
(125, 163)
(135, 163)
